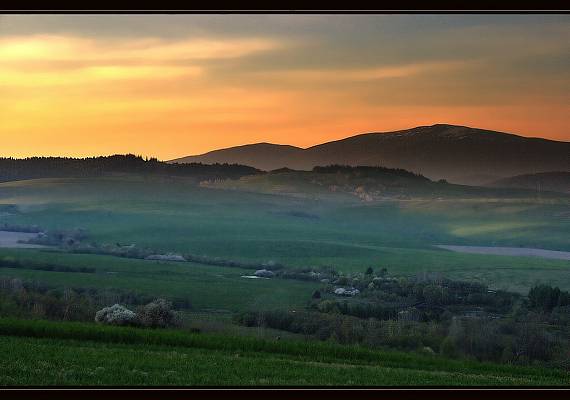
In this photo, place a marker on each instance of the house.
(264, 273)
(165, 257)
(346, 292)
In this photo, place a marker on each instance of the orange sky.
(191, 85)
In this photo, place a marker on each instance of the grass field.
(206, 287)
(52, 353)
(174, 215)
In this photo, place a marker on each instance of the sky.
(168, 86)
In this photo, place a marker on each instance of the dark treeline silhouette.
(547, 298)
(63, 167)
(366, 171)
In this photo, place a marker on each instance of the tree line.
(452, 318)
(66, 167)
(368, 171)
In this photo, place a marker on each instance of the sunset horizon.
(168, 86)
(245, 144)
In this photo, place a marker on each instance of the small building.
(264, 273)
(165, 257)
(346, 292)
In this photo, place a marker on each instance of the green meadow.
(341, 231)
(50, 353)
(173, 214)
(207, 287)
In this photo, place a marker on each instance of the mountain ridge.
(457, 153)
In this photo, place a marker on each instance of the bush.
(116, 315)
(448, 348)
(158, 314)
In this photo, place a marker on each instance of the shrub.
(448, 348)
(158, 314)
(116, 315)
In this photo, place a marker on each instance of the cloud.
(88, 75)
(367, 74)
(47, 60)
(59, 48)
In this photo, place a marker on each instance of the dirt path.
(11, 240)
(510, 251)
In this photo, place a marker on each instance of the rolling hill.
(457, 153)
(363, 183)
(557, 181)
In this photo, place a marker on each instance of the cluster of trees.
(466, 321)
(60, 167)
(367, 171)
(32, 299)
(156, 314)
(503, 341)
(498, 340)
(547, 298)
(382, 296)
(10, 262)
(358, 309)
(344, 329)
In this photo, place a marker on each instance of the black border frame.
(403, 392)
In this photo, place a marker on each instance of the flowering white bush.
(116, 315)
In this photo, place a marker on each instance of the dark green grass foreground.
(53, 353)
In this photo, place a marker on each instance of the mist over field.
(382, 258)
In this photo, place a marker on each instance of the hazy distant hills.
(457, 153)
(545, 181)
(366, 184)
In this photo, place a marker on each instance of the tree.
(316, 294)
(547, 297)
(432, 294)
(116, 315)
(369, 271)
(448, 348)
(158, 314)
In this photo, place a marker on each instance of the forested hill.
(63, 167)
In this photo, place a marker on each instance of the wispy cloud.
(365, 74)
(58, 48)
(92, 75)
(47, 60)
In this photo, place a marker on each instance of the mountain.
(557, 181)
(265, 156)
(459, 154)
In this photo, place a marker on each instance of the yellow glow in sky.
(68, 93)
